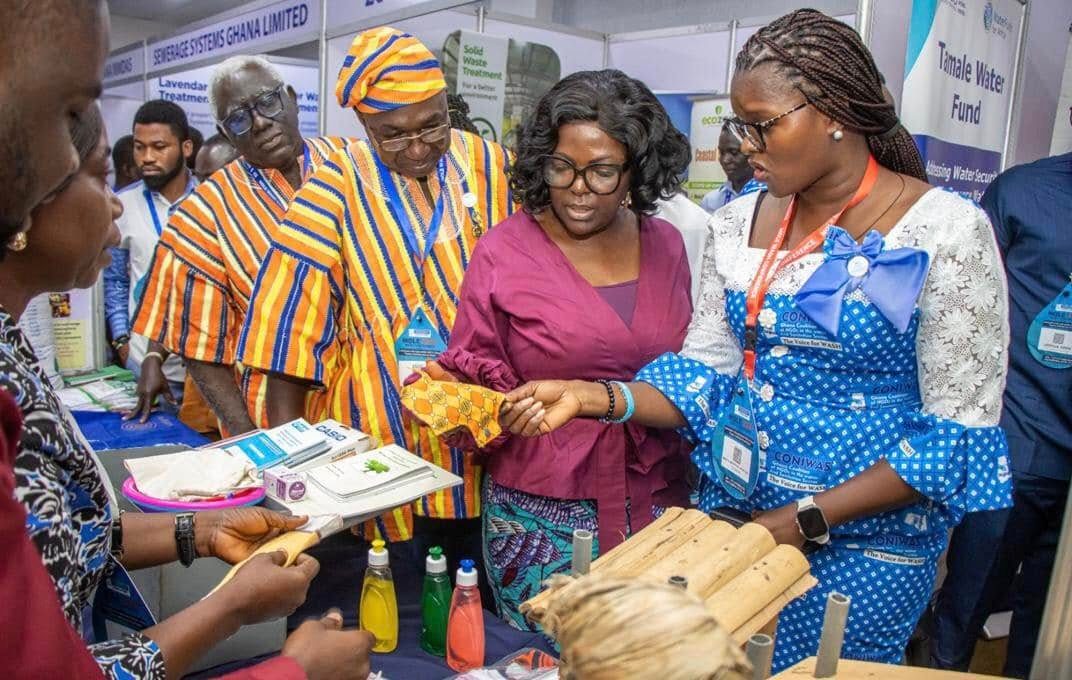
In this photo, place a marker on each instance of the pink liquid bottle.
(465, 625)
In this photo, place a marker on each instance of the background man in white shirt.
(162, 148)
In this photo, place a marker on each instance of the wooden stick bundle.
(630, 558)
(754, 588)
(743, 577)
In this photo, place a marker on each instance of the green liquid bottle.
(435, 603)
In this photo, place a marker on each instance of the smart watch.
(812, 522)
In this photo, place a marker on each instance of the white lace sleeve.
(710, 339)
(963, 338)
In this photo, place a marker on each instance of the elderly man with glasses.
(209, 253)
(361, 284)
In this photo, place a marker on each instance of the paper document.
(359, 487)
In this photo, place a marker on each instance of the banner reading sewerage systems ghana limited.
(958, 87)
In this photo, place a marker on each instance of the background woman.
(849, 395)
(582, 282)
(72, 519)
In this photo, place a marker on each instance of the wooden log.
(747, 546)
(623, 550)
(693, 558)
(766, 621)
(750, 591)
(649, 546)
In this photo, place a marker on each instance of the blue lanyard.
(152, 211)
(270, 188)
(401, 217)
(151, 201)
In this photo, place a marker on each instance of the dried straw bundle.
(612, 628)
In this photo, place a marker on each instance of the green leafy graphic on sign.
(376, 466)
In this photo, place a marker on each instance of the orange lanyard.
(757, 292)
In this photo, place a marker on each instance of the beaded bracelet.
(610, 396)
(630, 404)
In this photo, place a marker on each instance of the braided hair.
(827, 62)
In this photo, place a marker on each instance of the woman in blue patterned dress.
(842, 375)
(71, 517)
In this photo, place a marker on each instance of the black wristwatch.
(184, 538)
(120, 342)
(812, 522)
(117, 537)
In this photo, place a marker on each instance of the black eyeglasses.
(433, 136)
(754, 132)
(600, 178)
(269, 105)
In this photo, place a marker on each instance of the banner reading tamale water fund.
(482, 80)
(958, 87)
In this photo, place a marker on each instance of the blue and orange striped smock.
(340, 284)
(207, 259)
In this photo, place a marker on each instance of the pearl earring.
(18, 242)
(838, 135)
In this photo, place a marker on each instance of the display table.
(343, 558)
(106, 431)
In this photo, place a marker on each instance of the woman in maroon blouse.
(583, 281)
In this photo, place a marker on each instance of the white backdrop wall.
(118, 106)
(1062, 126)
(699, 61)
(620, 16)
(576, 52)
(1044, 62)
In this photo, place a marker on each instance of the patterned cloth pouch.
(446, 406)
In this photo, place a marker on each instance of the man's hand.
(152, 384)
(123, 352)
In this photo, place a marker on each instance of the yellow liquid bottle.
(378, 611)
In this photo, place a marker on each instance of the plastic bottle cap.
(378, 557)
(467, 575)
(435, 563)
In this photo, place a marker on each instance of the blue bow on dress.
(891, 279)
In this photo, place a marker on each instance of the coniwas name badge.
(418, 344)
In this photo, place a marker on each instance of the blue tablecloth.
(107, 431)
(343, 559)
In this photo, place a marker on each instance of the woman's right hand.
(264, 589)
(327, 652)
(543, 406)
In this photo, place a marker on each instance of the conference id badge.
(119, 601)
(1049, 338)
(735, 446)
(418, 343)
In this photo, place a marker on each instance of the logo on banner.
(717, 119)
(995, 23)
(957, 6)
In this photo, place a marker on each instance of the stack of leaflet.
(363, 485)
(371, 472)
(297, 445)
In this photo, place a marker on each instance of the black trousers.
(985, 553)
